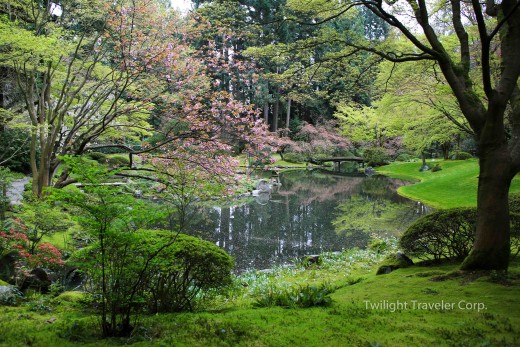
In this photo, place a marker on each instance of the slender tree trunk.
(491, 249)
(288, 116)
(276, 109)
(266, 113)
(33, 162)
(2, 90)
(5, 202)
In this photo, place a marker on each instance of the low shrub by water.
(450, 234)
(461, 156)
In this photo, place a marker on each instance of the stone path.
(16, 190)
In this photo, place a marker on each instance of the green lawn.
(454, 186)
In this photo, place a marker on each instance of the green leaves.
(302, 296)
(22, 46)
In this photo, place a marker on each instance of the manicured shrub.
(461, 156)
(98, 156)
(450, 233)
(375, 156)
(294, 157)
(152, 270)
(442, 234)
(119, 160)
(405, 157)
(112, 160)
(186, 269)
(159, 271)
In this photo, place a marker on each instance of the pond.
(311, 212)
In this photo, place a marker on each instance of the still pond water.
(311, 212)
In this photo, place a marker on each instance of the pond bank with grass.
(453, 186)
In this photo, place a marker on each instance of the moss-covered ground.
(416, 306)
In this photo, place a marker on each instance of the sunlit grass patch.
(454, 186)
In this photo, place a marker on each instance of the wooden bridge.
(338, 160)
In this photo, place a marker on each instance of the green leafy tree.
(362, 124)
(79, 79)
(495, 43)
(418, 104)
(42, 219)
(117, 264)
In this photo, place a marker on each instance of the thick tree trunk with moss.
(491, 249)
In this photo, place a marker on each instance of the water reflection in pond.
(311, 212)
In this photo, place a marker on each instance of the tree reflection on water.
(311, 212)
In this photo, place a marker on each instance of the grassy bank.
(417, 306)
(454, 186)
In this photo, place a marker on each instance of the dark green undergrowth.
(466, 309)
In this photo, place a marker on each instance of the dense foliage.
(443, 234)
(450, 234)
(156, 271)
(375, 156)
(184, 272)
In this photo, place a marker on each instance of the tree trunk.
(445, 147)
(288, 116)
(5, 202)
(276, 109)
(491, 249)
(266, 113)
(33, 161)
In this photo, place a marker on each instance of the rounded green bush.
(461, 156)
(294, 158)
(375, 156)
(186, 269)
(450, 233)
(441, 234)
(405, 157)
(97, 156)
(118, 160)
(155, 270)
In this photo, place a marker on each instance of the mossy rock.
(3, 283)
(312, 260)
(72, 296)
(392, 262)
